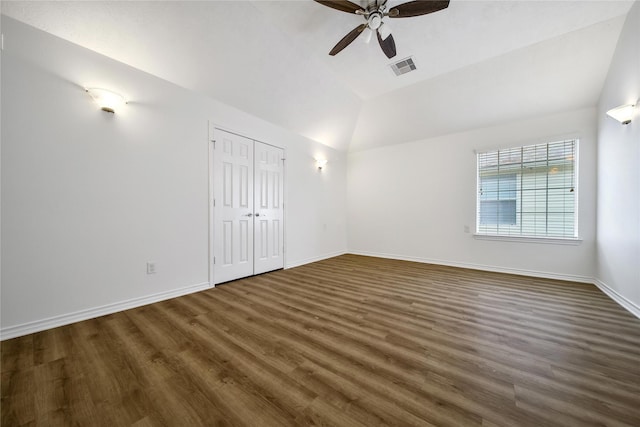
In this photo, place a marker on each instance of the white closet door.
(269, 211)
(233, 211)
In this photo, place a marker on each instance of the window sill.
(527, 239)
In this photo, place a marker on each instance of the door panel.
(269, 210)
(233, 210)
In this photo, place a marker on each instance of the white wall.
(413, 200)
(88, 197)
(618, 238)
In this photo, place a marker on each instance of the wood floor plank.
(349, 341)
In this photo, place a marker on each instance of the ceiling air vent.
(403, 66)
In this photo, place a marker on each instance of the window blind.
(528, 191)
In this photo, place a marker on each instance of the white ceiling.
(563, 73)
(467, 32)
(269, 58)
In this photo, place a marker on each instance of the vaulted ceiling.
(478, 62)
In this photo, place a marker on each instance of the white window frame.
(572, 240)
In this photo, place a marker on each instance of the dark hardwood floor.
(350, 341)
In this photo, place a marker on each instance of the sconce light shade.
(107, 100)
(320, 163)
(623, 114)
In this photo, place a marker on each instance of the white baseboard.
(314, 259)
(520, 272)
(631, 307)
(78, 316)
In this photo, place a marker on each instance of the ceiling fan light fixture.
(375, 20)
(384, 31)
(366, 35)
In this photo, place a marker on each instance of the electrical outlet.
(151, 268)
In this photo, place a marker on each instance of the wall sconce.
(321, 163)
(623, 114)
(107, 100)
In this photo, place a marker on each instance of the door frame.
(212, 126)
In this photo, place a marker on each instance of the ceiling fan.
(374, 14)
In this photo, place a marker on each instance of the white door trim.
(211, 198)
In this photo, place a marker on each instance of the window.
(528, 191)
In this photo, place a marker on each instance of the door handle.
(249, 214)
(257, 214)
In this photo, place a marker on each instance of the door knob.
(257, 214)
(249, 214)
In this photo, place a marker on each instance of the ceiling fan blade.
(388, 45)
(346, 40)
(417, 8)
(344, 5)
